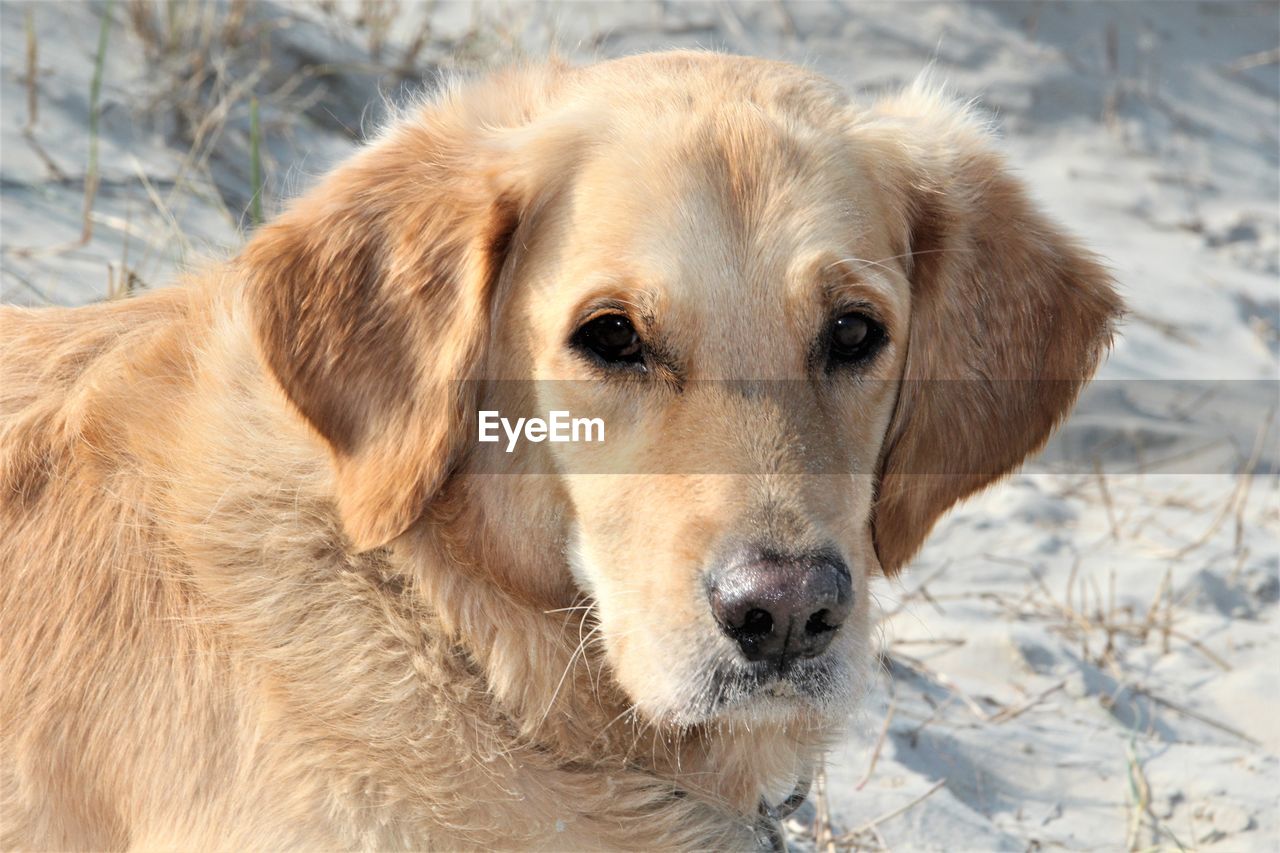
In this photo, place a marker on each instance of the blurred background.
(1085, 657)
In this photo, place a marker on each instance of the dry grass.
(219, 89)
(209, 68)
(95, 117)
(821, 832)
(1088, 615)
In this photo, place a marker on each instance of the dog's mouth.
(757, 690)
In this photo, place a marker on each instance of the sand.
(1084, 657)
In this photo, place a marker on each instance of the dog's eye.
(611, 338)
(855, 337)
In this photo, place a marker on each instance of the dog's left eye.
(855, 337)
(612, 339)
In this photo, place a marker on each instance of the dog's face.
(807, 330)
(709, 298)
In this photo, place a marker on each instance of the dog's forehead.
(736, 195)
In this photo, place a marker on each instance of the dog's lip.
(740, 685)
(787, 685)
(735, 692)
(780, 688)
(764, 673)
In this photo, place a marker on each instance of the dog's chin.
(743, 693)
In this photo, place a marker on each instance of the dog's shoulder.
(73, 377)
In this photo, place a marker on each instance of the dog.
(263, 588)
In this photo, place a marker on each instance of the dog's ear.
(370, 298)
(1009, 317)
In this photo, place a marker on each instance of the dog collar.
(769, 818)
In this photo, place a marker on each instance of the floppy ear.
(370, 300)
(1009, 318)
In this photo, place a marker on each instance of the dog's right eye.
(610, 338)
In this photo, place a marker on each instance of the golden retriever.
(264, 588)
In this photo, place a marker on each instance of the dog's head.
(807, 328)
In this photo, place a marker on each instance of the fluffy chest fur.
(253, 682)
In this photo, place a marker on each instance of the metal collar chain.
(769, 818)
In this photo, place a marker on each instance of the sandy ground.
(1084, 657)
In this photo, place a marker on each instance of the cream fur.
(251, 597)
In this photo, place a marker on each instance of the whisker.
(568, 667)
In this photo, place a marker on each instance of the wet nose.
(778, 609)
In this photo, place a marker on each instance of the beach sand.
(1084, 657)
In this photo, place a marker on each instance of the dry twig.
(851, 836)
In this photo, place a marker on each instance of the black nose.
(778, 608)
